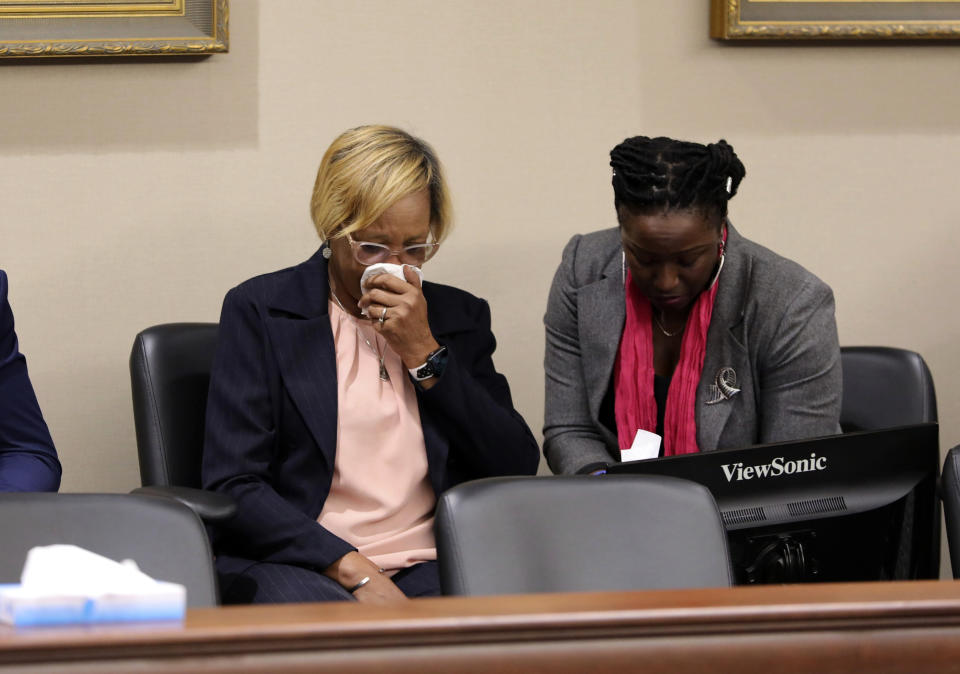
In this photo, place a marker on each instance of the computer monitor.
(857, 506)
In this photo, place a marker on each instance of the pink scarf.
(634, 403)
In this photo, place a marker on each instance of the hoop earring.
(623, 268)
(716, 275)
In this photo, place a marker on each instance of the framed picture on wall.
(52, 28)
(759, 20)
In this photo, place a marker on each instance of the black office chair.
(513, 535)
(950, 497)
(170, 374)
(885, 387)
(166, 539)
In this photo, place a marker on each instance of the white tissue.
(646, 445)
(65, 584)
(385, 268)
(68, 569)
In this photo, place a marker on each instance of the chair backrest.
(885, 387)
(579, 533)
(165, 539)
(950, 496)
(170, 374)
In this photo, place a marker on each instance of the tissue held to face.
(385, 268)
(404, 229)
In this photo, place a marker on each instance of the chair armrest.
(210, 506)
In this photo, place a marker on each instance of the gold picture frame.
(76, 28)
(758, 20)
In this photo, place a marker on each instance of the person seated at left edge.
(28, 459)
(335, 429)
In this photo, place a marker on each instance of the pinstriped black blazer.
(28, 459)
(272, 414)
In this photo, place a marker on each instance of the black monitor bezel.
(868, 470)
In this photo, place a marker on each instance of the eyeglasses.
(367, 253)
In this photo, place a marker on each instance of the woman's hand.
(380, 590)
(404, 324)
(354, 567)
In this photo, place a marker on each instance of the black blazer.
(28, 460)
(272, 414)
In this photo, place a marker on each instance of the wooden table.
(862, 627)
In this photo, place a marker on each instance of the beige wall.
(136, 193)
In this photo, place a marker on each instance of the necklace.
(384, 375)
(656, 318)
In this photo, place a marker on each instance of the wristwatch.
(433, 367)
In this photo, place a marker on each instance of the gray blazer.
(773, 324)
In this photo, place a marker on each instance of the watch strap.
(431, 367)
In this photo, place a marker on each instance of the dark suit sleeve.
(240, 446)
(472, 406)
(28, 459)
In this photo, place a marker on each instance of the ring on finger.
(383, 315)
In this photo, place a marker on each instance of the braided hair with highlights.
(652, 175)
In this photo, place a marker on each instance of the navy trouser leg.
(419, 580)
(265, 583)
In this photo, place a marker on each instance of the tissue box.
(23, 607)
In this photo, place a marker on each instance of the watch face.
(434, 365)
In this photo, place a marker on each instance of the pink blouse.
(380, 500)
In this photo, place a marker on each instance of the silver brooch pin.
(724, 386)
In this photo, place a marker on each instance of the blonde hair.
(368, 169)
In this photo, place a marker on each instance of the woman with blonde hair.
(338, 412)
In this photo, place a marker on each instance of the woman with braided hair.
(674, 323)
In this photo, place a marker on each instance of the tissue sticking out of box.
(56, 569)
(63, 584)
